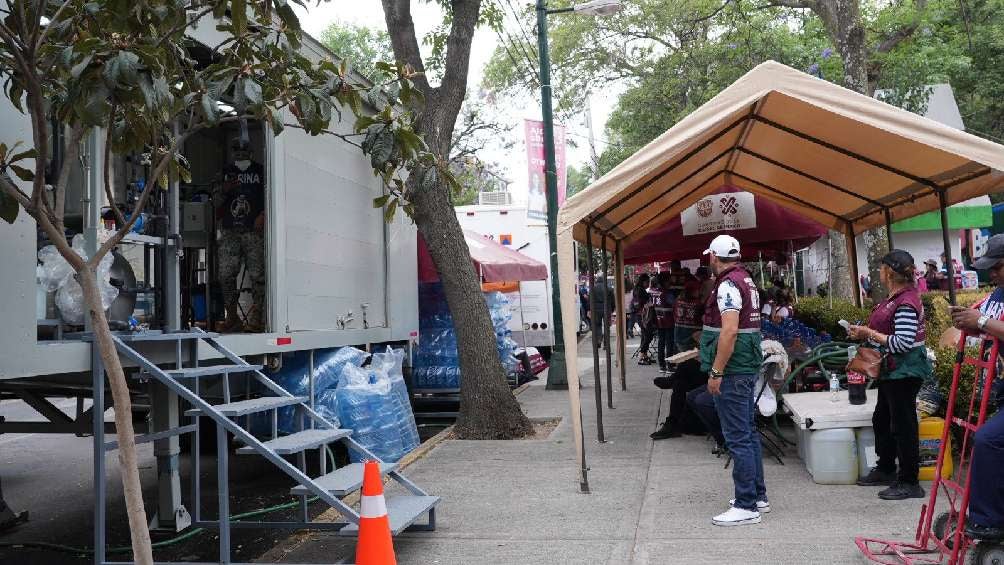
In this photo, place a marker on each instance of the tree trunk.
(843, 23)
(843, 286)
(488, 409)
(128, 461)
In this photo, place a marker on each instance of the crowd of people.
(718, 311)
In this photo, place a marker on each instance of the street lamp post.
(556, 374)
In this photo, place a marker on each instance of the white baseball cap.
(724, 246)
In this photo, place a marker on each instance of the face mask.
(243, 165)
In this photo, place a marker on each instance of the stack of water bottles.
(294, 377)
(373, 403)
(437, 365)
(789, 329)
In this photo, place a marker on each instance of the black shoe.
(902, 491)
(877, 477)
(665, 432)
(719, 450)
(984, 533)
(663, 382)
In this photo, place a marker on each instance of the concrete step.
(299, 441)
(402, 510)
(343, 480)
(252, 406)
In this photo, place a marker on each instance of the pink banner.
(536, 190)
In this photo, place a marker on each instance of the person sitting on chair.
(688, 376)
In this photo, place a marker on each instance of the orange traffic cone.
(374, 546)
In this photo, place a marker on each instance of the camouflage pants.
(237, 248)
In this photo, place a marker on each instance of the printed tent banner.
(759, 224)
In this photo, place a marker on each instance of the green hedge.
(817, 313)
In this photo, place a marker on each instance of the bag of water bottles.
(391, 364)
(366, 406)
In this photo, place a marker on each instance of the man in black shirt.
(241, 213)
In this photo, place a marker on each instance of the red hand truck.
(941, 535)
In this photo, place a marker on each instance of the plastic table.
(815, 410)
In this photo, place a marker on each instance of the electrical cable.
(163, 543)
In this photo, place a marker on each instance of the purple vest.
(882, 318)
(749, 314)
(688, 313)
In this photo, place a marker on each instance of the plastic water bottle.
(834, 388)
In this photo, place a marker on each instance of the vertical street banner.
(720, 212)
(536, 189)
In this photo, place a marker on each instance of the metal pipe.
(98, 421)
(596, 345)
(888, 229)
(619, 298)
(949, 266)
(606, 324)
(852, 263)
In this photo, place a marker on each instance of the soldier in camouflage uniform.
(241, 213)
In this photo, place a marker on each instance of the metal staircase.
(189, 382)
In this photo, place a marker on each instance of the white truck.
(508, 224)
(337, 274)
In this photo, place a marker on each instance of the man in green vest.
(730, 354)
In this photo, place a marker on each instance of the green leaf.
(80, 67)
(29, 154)
(3, 151)
(8, 207)
(239, 16)
(381, 201)
(22, 173)
(209, 110)
(122, 69)
(287, 15)
(388, 214)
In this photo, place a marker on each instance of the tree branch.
(55, 17)
(404, 41)
(70, 156)
(119, 218)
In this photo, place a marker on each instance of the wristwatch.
(982, 322)
(715, 374)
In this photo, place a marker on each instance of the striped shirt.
(904, 330)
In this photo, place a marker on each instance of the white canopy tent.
(843, 159)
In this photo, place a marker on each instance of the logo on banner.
(705, 208)
(730, 206)
(717, 213)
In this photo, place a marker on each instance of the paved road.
(51, 476)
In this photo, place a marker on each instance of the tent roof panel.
(815, 136)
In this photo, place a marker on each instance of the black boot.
(665, 431)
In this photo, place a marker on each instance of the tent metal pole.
(852, 263)
(622, 330)
(759, 256)
(888, 228)
(829, 267)
(949, 265)
(595, 342)
(607, 326)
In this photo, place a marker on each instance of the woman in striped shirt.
(896, 327)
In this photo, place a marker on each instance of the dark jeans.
(986, 503)
(703, 404)
(632, 319)
(895, 425)
(665, 347)
(737, 409)
(688, 377)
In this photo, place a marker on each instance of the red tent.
(773, 229)
(495, 263)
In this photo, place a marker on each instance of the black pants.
(688, 376)
(703, 404)
(646, 339)
(666, 345)
(896, 429)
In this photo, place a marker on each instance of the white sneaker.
(736, 517)
(762, 506)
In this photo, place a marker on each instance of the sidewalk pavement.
(651, 502)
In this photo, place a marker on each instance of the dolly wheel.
(987, 554)
(940, 528)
